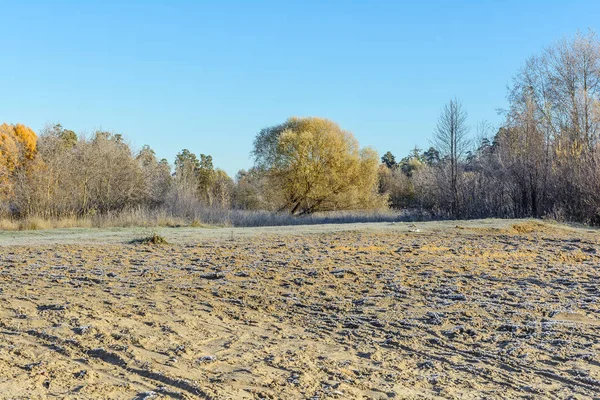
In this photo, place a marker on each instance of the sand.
(478, 310)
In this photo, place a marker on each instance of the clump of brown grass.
(528, 227)
(197, 224)
(33, 224)
(9, 225)
(72, 222)
(154, 239)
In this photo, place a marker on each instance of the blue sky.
(208, 76)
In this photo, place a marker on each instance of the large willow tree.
(314, 165)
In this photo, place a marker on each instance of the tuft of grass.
(197, 224)
(34, 224)
(154, 239)
(527, 227)
(9, 225)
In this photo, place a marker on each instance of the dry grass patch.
(154, 239)
(529, 227)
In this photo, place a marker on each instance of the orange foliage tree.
(17, 148)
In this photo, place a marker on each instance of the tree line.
(542, 161)
(302, 166)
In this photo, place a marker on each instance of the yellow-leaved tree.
(17, 147)
(314, 165)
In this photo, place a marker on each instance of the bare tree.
(450, 139)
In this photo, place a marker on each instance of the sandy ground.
(477, 310)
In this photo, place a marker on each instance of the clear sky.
(208, 76)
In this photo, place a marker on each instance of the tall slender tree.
(450, 139)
